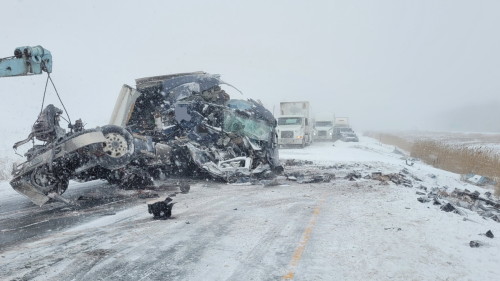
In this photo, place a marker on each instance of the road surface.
(345, 229)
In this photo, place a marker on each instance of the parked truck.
(342, 130)
(323, 129)
(294, 125)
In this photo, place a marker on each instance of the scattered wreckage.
(175, 124)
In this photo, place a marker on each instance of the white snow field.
(338, 230)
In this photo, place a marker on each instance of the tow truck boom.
(26, 61)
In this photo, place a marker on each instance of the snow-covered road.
(341, 230)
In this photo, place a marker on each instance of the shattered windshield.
(250, 127)
(289, 121)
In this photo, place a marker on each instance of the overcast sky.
(385, 64)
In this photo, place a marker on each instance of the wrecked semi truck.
(294, 126)
(191, 124)
(342, 130)
(174, 124)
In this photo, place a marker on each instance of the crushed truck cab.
(180, 124)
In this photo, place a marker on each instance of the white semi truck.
(294, 125)
(323, 128)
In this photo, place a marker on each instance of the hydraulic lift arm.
(26, 61)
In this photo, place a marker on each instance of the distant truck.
(294, 125)
(343, 131)
(323, 129)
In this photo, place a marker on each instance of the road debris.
(352, 176)
(161, 210)
(393, 228)
(449, 208)
(475, 244)
(477, 180)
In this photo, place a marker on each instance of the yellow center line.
(297, 255)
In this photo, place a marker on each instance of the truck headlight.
(299, 137)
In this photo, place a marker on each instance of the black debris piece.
(489, 234)
(437, 202)
(393, 228)
(161, 210)
(475, 244)
(449, 208)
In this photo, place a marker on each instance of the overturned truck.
(181, 124)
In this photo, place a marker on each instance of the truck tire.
(118, 148)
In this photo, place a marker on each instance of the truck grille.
(322, 133)
(287, 134)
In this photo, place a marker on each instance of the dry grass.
(456, 158)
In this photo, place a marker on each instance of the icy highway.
(345, 229)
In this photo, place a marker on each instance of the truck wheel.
(118, 148)
(46, 181)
